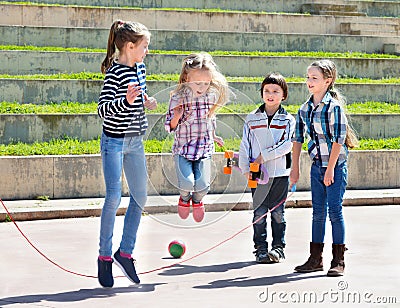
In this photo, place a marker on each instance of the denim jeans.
(125, 154)
(328, 199)
(265, 197)
(193, 176)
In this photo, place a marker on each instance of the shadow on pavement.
(241, 282)
(76, 296)
(181, 269)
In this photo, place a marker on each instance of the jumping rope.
(293, 189)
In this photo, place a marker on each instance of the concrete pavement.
(225, 276)
(216, 271)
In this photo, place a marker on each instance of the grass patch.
(79, 108)
(59, 76)
(50, 48)
(380, 144)
(175, 78)
(308, 54)
(373, 107)
(365, 144)
(53, 147)
(354, 108)
(77, 147)
(48, 108)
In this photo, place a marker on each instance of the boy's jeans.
(193, 176)
(127, 154)
(265, 197)
(328, 199)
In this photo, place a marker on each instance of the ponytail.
(110, 47)
(120, 33)
(351, 140)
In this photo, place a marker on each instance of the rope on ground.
(149, 271)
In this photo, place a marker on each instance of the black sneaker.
(127, 266)
(262, 256)
(276, 254)
(104, 273)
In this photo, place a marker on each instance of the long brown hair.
(328, 70)
(122, 32)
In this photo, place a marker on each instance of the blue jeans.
(122, 154)
(193, 176)
(265, 197)
(328, 199)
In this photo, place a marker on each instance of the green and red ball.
(177, 248)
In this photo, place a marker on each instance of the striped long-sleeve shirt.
(324, 124)
(119, 117)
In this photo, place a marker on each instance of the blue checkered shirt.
(324, 124)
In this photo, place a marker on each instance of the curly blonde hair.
(204, 61)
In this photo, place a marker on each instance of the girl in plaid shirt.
(191, 115)
(323, 119)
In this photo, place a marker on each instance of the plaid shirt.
(324, 124)
(194, 132)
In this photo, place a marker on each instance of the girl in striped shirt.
(191, 115)
(122, 104)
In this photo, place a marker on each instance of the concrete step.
(85, 37)
(371, 29)
(316, 7)
(340, 13)
(69, 16)
(332, 9)
(376, 25)
(237, 5)
(372, 8)
(32, 62)
(41, 91)
(391, 49)
(30, 128)
(80, 176)
(375, 33)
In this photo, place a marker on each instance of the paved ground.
(225, 276)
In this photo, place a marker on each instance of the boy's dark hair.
(275, 78)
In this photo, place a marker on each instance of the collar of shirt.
(327, 99)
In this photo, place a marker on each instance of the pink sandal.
(183, 208)
(198, 211)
